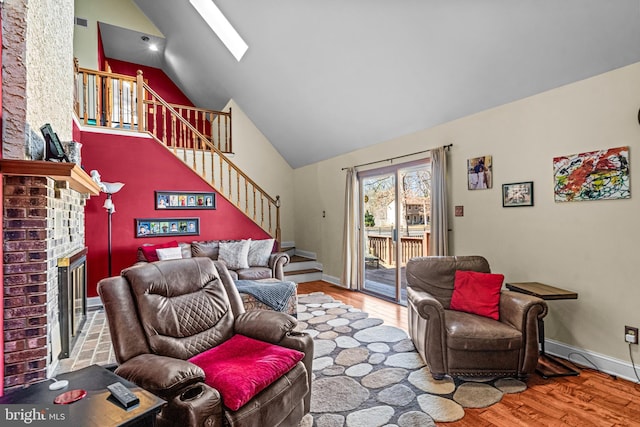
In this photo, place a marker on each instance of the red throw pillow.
(477, 293)
(149, 251)
(242, 367)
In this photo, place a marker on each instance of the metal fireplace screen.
(72, 282)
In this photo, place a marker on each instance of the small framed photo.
(185, 200)
(517, 194)
(162, 227)
(480, 173)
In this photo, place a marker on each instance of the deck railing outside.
(383, 247)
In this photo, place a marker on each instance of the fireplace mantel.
(77, 178)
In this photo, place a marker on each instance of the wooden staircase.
(302, 267)
(200, 138)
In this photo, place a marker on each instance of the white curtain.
(439, 216)
(350, 269)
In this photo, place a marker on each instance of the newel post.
(140, 101)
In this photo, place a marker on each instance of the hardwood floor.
(590, 399)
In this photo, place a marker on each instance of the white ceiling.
(322, 78)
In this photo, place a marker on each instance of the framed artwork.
(479, 173)
(595, 175)
(517, 194)
(185, 200)
(162, 227)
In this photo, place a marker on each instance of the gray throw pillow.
(208, 249)
(259, 252)
(235, 254)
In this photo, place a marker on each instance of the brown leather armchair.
(464, 344)
(161, 314)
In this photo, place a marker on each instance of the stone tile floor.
(93, 345)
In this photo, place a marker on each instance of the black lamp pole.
(109, 213)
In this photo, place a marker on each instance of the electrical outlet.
(631, 334)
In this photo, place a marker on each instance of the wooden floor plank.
(592, 399)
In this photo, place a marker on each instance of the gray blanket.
(274, 294)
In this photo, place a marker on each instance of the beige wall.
(49, 58)
(37, 74)
(123, 13)
(588, 247)
(254, 154)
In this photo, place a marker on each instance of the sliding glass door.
(395, 210)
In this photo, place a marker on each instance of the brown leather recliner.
(161, 314)
(464, 344)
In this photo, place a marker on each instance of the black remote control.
(123, 395)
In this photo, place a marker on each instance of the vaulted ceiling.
(321, 78)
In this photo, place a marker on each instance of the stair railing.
(106, 99)
(198, 137)
(179, 135)
(214, 125)
(109, 100)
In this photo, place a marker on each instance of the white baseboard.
(94, 303)
(333, 280)
(607, 364)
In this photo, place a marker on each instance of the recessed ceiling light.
(153, 47)
(221, 26)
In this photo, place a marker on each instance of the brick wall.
(42, 222)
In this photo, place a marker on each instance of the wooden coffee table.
(547, 292)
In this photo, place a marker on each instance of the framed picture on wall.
(517, 194)
(185, 200)
(480, 173)
(163, 227)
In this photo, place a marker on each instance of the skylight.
(221, 26)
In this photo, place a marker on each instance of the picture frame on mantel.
(517, 194)
(165, 200)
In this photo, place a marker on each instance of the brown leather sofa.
(464, 344)
(163, 313)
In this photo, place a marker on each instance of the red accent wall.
(144, 166)
(155, 78)
(75, 131)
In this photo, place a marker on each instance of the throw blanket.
(274, 294)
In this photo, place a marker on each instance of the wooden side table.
(546, 292)
(97, 408)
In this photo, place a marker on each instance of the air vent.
(81, 22)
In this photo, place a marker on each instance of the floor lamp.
(110, 188)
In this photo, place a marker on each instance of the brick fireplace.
(43, 221)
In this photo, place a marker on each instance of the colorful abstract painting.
(596, 175)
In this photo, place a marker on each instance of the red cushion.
(241, 367)
(477, 293)
(149, 251)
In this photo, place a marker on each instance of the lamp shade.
(108, 205)
(112, 187)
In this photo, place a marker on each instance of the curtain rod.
(391, 159)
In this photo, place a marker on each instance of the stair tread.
(305, 271)
(298, 258)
